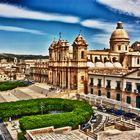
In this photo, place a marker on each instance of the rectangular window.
(91, 81)
(108, 94)
(138, 87)
(99, 92)
(128, 87)
(91, 90)
(99, 83)
(118, 86)
(108, 86)
(82, 54)
(138, 61)
(128, 99)
(119, 47)
(118, 97)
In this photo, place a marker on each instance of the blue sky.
(29, 26)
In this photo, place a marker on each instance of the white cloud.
(131, 7)
(11, 11)
(102, 39)
(98, 24)
(107, 27)
(18, 29)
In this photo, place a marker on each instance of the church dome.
(117, 65)
(108, 65)
(99, 64)
(119, 33)
(90, 64)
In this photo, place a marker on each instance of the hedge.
(21, 136)
(77, 112)
(11, 85)
(80, 112)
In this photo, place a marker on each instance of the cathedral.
(70, 68)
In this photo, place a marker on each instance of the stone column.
(69, 77)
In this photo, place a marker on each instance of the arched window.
(114, 59)
(96, 59)
(119, 47)
(126, 47)
(105, 59)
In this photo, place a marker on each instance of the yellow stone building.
(120, 54)
(68, 68)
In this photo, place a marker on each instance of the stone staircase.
(32, 93)
(101, 125)
(21, 95)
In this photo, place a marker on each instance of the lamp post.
(42, 106)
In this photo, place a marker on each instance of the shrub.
(78, 112)
(21, 136)
(11, 85)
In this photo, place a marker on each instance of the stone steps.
(32, 93)
(21, 95)
(9, 97)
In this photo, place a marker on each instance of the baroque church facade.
(70, 68)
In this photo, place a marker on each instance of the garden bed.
(31, 117)
(4, 86)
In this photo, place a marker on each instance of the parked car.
(110, 110)
(101, 108)
(130, 115)
(119, 112)
(93, 119)
(95, 113)
(85, 126)
(1, 138)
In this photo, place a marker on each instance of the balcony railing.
(128, 90)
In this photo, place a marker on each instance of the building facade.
(122, 86)
(39, 71)
(72, 68)
(68, 68)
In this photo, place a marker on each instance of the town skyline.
(29, 27)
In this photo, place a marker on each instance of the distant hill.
(10, 57)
